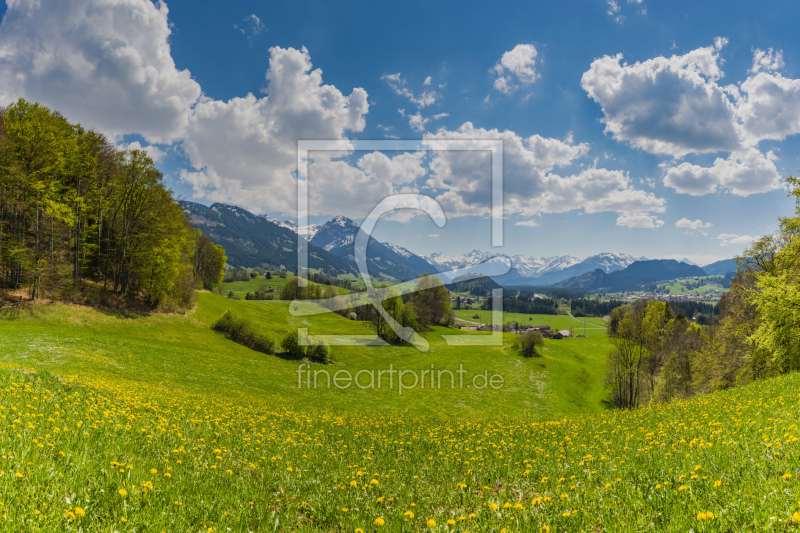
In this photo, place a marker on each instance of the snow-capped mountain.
(311, 229)
(451, 262)
(385, 260)
(332, 246)
(525, 266)
(543, 271)
(339, 232)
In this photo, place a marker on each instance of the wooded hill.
(75, 209)
(633, 275)
(253, 241)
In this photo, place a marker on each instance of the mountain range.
(634, 274)
(260, 240)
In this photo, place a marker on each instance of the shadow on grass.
(123, 313)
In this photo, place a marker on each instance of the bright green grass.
(183, 352)
(594, 326)
(677, 287)
(105, 453)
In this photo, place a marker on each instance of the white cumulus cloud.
(244, 150)
(767, 60)
(743, 172)
(670, 106)
(639, 220)
(104, 63)
(734, 239)
(531, 185)
(518, 65)
(697, 226)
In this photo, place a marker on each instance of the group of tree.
(262, 293)
(588, 308)
(295, 289)
(294, 346)
(653, 349)
(322, 279)
(533, 305)
(75, 210)
(659, 354)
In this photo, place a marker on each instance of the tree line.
(588, 308)
(78, 213)
(660, 355)
(527, 305)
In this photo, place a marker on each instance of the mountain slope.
(384, 260)
(720, 268)
(250, 240)
(607, 262)
(636, 273)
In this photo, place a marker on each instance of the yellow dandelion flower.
(409, 514)
(431, 523)
(787, 476)
(123, 492)
(379, 521)
(79, 511)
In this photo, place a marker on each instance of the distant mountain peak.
(341, 220)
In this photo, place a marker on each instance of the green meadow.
(117, 422)
(183, 352)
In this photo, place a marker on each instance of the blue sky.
(655, 129)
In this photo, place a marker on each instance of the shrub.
(244, 332)
(293, 349)
(320, 354)
(527, 344)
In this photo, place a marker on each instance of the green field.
(124, 422)
(680, 286)
(185, 353)
(595, 327)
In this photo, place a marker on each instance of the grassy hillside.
(184, 353)
(119, 448)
